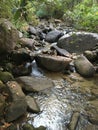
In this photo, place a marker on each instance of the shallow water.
(71, 94)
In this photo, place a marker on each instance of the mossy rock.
(6, 76)
(31, 127)
(28, 127)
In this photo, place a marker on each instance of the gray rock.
(84, 67)
(34, 84)
(53, 36)
(32, 30)
(53, 63)
(78, 42)
(32, 105)
(8, 36)
(27, 42)
(17, 106)
(62, 52)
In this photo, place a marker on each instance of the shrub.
(84, 16)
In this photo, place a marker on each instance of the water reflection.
(59, 104)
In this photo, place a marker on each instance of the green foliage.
(50, 8)
(20, 12)
(24, 13)
(6, 9)
(84, 16)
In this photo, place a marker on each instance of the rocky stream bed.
(48, 78)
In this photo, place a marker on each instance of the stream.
(70, 105)
(63, 99)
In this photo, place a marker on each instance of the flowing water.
(71, 105)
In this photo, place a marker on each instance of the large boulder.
(17, 104)
(53, 36)
(84, 67)
(53, 63)
(34, 84)
(8, 36)
(78, 42)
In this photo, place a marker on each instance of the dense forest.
(81, 14)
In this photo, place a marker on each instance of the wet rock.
(6, 76)
(78, 42)
(8, 36)
(27, 42)
(53, 63)
(84, 67)
(74, 121)
(17, 103)
(34, 84)
(90, 55)
(32, 105)
(53, 36)
(2, 105)
(31, 127)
